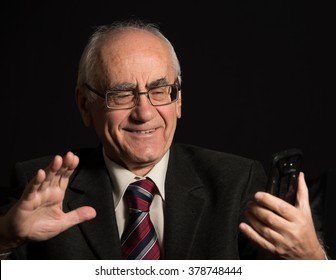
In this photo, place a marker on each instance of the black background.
(257, 75)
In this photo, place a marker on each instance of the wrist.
(8, 241)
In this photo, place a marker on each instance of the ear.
(83, 106)
(179, 105)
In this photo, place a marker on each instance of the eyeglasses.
(128, 99)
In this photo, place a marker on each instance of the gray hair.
(90, 63)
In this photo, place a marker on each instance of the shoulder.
(23, 171)
(43, 161)
(210, 156)
(323, 185)
(224, 175)
(217, 163)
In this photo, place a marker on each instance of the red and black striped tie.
(139, 240)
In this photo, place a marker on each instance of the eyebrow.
(131, 86)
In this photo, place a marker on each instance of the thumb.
(302, 196)
(78, 216)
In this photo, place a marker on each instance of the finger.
(78, 216)
(34, 184)
(58, 168)
(253, 235)
(70, 163)
(302, 200)
(268, 224)
(302, 197)
(70, 160)
(51, 171)
(276, 205)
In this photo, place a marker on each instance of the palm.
(38, 215)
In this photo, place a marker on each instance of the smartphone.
(283, 174)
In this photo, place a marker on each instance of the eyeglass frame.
(136, 95)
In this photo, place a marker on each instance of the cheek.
(106, 124)
(170, 117)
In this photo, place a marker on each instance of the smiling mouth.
(142, 131)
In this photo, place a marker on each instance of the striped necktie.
(139, 240)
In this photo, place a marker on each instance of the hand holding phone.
(283, 174)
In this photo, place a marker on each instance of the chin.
(146, 157)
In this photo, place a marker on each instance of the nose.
(143, 110)
(145, 94)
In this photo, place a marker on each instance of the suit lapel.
(92, 187)
(185, 202)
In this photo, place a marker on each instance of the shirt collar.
(121, 177)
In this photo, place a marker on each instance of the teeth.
(144, 131)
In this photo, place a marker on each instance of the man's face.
(136, 138)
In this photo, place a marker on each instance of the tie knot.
(140, 194)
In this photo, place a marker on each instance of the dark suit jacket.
(206, 192)
(322, 194)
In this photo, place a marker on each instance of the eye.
(121, 94)
(157, 91)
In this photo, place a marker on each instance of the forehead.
(136, 56)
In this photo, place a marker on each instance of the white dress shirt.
(122, 177)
